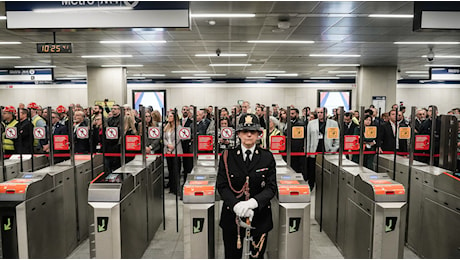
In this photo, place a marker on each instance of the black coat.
(202, 126)
(81, 145)
(23, 143)
(387, 138)
(262, 186)
(296, 144)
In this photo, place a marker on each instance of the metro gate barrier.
(31, 211)
(434, 213)
(154, 190)
(13, 165)
(402, 167)
(118, 214)
(290, 237)
(199, 216)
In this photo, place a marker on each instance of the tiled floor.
(168, 244)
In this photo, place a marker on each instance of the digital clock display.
(54, 47)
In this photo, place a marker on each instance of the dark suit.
(81, 145)
(262, 187)
(24, 143)
(202, 126)
(187, 162)
(387, 138)
(297, 145)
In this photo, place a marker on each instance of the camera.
(218, 52)
(430, 56)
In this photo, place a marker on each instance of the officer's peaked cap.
(248, 122)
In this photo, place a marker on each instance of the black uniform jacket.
(262, 186)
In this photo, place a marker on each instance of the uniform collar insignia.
(257, 151)
(238, 152)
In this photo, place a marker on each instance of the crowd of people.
(316, 122)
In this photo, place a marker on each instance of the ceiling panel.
(372, 38)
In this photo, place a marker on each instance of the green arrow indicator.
(197, 228)
(293, 229)
(101, 228)
(7, 227)
(388, 228)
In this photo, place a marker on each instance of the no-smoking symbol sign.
(11, 132)
(39, 132)
(226, 133)
(154, 133)
(111, 133)
(185, 133)
(83, 132)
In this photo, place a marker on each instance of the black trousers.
(230, 236)
(174, 173)
(311, 171)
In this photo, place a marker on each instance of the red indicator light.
(199, 193)
(294, 193)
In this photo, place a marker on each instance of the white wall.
(445, 97)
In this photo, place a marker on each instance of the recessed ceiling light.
(283, 75)
(71, 78)
(324, 77)
(335, 55)
(2, 17)
(392, 15)
(444, 56)
(195, 77)
(135, 77)
(268, 71)
(341, 71)
(303, 42)
(426, 42)
(1, 43)
(188, 71)
(442, 65)
(346, 75)
(133, 42)
(338, 65)
(33, 67)
(149, 75)
(230, 65)
(209, 75)
(10, 57)
(416, 71)
(122, 65)
(260, 77)
(106, 56)
(418, 75)
(222, 15)
(222, 55)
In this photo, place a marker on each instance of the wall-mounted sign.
(97, 14)
(24, 75)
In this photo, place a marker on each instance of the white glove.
(250, 214)
(241, 208)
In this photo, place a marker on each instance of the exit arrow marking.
(196, 229)
(101, 228)
(388, 228)
(7, 227)
(292, 229)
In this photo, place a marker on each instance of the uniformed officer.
(246, 181)
(8, 121)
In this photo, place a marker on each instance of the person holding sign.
(317, 141)
(246, 181)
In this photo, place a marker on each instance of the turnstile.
(290, 237)
(13, 165)
(402, 167)
(31, 212)
(329, 182)
(70, 207)
(118, 214)
(199, 216)
(155, 171)
(82, 176)
(375, 216)
(434, 213)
